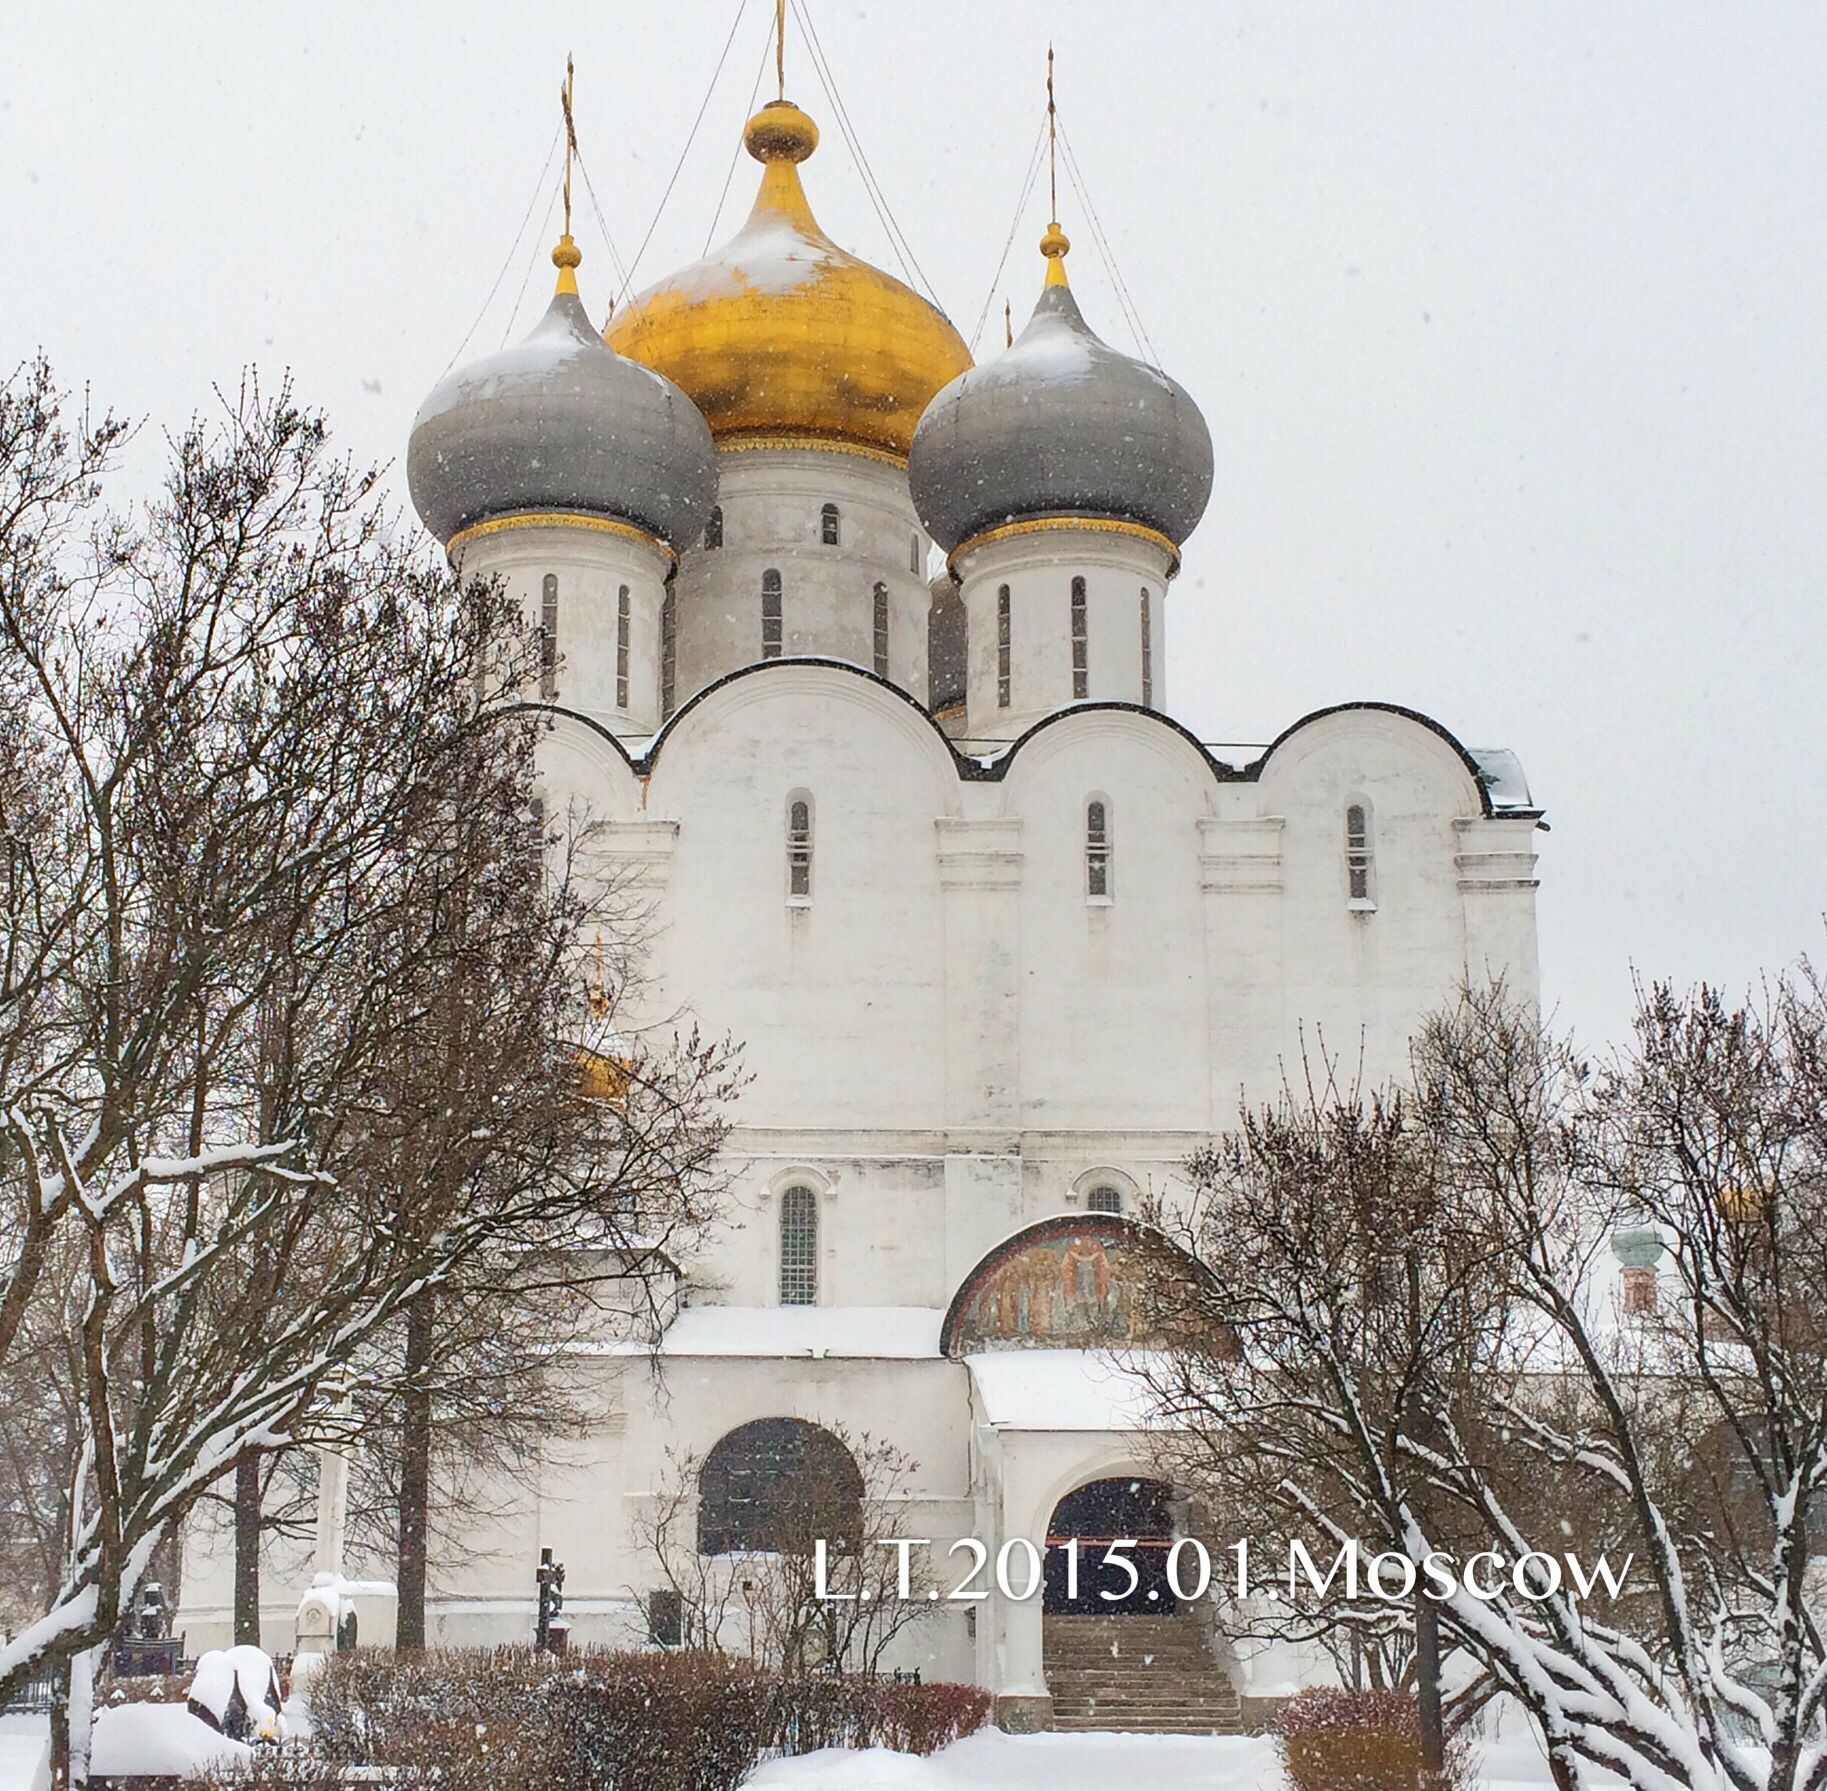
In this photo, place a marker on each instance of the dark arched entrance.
(777, 1485)
(1096, 1516)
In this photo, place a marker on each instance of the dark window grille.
(828, 525)
(1357, 853)
(1081, 642)
(881, 631)
(713, 527)
(669, 653)
(799, 849)
(771, 627)
(1097, 850)
(778, 1485)
(621, 647)
(799, 1247)
(548, 638)
(1002, 646)
(1148, 651)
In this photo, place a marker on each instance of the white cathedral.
(1002, 940)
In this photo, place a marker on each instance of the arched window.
(913, 557)
(713, 527)
(799, 1247)
(1105, 1199)
(1099, 883)
(1360, 865)
(771, 628)
(880, 624)
(776, 1486)
(621, 648)
(1148, 651)
(669, 652)
(828, 525)
(1002, 646)
(548, 638)
(799, 848)
(1081, 642)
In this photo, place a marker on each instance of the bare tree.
(292, 1013)
(1690, 1441)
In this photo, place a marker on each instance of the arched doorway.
(1096, 1516)
(777, 1485)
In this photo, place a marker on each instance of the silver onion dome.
(561, 422)
(1060, 424)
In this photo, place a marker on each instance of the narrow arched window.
(798, 1247)
(548, 638)
(1002, 646)
(1081, 641)
(799, 849)
(771, 628)
(669, 653)
(1104, 1200)
(880, 622)
(1098, 881)
(913, 557)
(1148, 651)
(621, 647)
(1360, 866)
(713, 527)
(828, 525)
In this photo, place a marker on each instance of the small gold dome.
(780, 334)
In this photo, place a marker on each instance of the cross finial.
(780, 49)
(1052, 134)
(567, 255)
(564, 100)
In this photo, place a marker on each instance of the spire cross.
(780, 49)
(564, 99)
(1052, 165)
(1008, 325)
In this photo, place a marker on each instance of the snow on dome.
(561, 422)
(780, 334)
(1060, 424)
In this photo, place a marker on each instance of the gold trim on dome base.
(557, 519)
(1096, 525)
(821, 444)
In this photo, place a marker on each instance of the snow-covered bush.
(682, 1721)
(1334, 1739)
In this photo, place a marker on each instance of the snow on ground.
(157, 1739)
(25, 1749)
(992, 1761)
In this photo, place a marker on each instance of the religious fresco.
(1070, 1286)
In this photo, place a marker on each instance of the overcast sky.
(1508, 321)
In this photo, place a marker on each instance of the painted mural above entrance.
(1072, 1282)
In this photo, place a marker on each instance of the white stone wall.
(1038, 568)
(592, 567)
(951, 1032)
(772, 501)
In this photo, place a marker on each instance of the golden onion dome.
(780, 336)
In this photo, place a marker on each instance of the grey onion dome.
(561, 422)
(1060, 423)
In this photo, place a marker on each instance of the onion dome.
(561, 423)
(1060, 425)
(781, 337)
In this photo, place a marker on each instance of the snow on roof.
(863, 1331)
(1059, 1389)
(1501, 772)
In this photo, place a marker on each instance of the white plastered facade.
(952, 1035)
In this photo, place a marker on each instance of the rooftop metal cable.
(539, 186)
(1021, 205)
(690, 138)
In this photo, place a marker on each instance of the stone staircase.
(1148, 1675)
